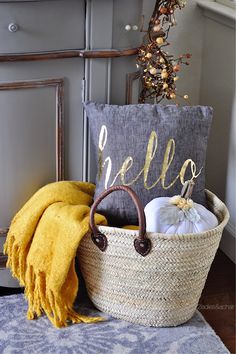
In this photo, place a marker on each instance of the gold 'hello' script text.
(152, 147)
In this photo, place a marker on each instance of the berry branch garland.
(158, 68)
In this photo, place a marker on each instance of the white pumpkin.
(178, 214)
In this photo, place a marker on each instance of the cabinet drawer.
(41, 26)
(126, 23)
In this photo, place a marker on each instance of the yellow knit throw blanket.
(41, 246)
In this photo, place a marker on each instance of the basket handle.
(141, 244)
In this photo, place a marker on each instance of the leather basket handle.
(141, 244)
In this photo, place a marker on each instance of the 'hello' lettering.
(152, 148)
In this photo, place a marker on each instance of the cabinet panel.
(119, 69)
(27, 145)
(28, 131)
(126, 13)
(7, 280)
(42, 26)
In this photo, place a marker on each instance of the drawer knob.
(13, 27)
(128, 27)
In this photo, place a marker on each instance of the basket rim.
(211, 198)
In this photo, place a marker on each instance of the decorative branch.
(158, 68)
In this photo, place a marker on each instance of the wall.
(218, 90)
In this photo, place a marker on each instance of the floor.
(217, 303)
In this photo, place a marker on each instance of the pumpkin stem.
(187, 189)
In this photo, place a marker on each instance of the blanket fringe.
(16, 260)
(43, 300)
(40, 298)
(57, 214)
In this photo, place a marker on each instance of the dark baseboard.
(10, 291)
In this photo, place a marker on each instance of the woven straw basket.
(150, 279)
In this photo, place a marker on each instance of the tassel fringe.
(16, 260)
(40, 298)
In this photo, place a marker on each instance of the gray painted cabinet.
(28, 116)
(42, 25)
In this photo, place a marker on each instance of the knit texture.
(41, 246)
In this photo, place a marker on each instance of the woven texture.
(161, 289)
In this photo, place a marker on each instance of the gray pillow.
(151, 148)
